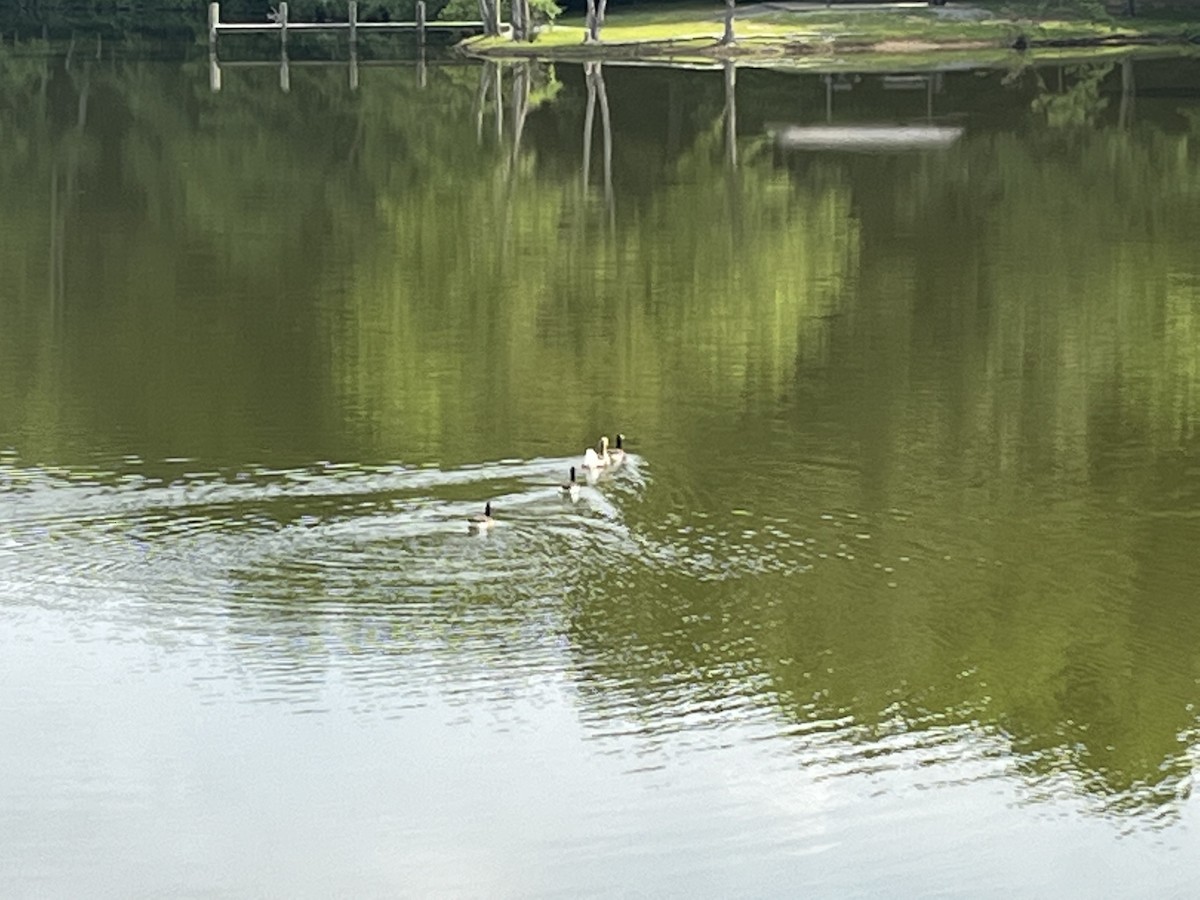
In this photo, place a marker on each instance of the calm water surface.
(895, 592)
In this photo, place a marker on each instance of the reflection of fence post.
(498, 96)
(55, 244)
(606, 124)
(589, 119)
(352, 23)
(485, 81)
(1128, 93)
(520, 108)
(285, 74)
(731, 113)
(594, 73)
(421, 73)
(214, 66)
(214, 19)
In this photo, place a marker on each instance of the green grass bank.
(856, 35)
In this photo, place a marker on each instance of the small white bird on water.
(481, 522)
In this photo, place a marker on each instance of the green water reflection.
(920, 429)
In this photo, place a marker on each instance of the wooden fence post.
(421, 22)
(283, 24)
(214, 19)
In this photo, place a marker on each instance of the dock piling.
(421, 22)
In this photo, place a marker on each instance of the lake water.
(894, 593)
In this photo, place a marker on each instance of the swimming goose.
(618, 453)
(570, 489)
(481, 522)
(594, 460)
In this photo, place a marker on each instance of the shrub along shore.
(809, 34)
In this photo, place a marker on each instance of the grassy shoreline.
(811, 35)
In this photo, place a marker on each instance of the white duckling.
(570, 489)
(594, 460)
(481, 522)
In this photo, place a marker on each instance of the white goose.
(594, 460)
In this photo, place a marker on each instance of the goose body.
(618, 453)
(570, 489)
(481, 522)
(594, 460)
